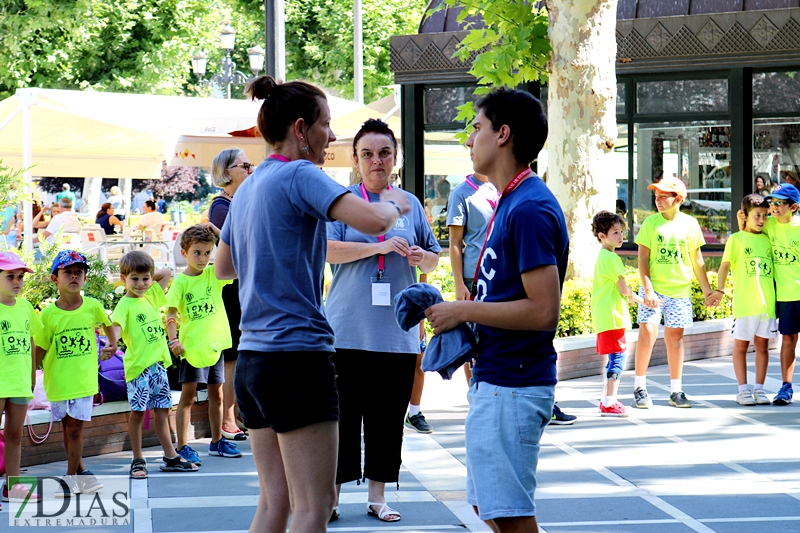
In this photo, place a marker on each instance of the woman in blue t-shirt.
(105, 217)
(274, 241)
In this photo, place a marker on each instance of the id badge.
(381, 292)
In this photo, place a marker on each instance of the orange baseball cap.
(670, 185)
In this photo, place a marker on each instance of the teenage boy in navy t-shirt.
(521, 270)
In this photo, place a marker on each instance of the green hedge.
(576, 299)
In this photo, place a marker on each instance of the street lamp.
(229, 74)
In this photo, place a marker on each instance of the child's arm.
(722, 275)
(626, 291)
(699, 266)
(175, 345)
(117, 330)
(650, 298)
(162, 277)
(111, 347)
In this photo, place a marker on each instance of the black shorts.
(286, 390)
(788, 317)
(230, 297)
(213, 375)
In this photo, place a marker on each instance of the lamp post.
(229, 74)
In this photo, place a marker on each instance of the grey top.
(357, 323)
(276, 231)
(472, 209)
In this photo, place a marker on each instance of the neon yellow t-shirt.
(785, 240)
(204, 330)
(70, 364)
(670, 243)
(750, 256)
(143, 331)
(609, 308)
(18, 323)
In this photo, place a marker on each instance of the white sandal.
(383, 512)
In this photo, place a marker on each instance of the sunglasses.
(778, 203)
(246, 166)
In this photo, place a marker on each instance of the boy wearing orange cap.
(669, 254)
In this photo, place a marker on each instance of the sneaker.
(761, 397)
(190, 455)
(615, 409)
(784, 396)
(234, 435)
(641, 400)
(678, 399)
(224, 448)
(746, 397)
(73, 486)
(418, 423)
(88, 483)
(560, 418)
(18, 493)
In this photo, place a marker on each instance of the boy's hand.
(176, 348)
(444, 316)
(741, 218)
(650, 299)
(714, 298)
(108, 351)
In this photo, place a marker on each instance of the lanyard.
(381, 238)
(279, 157)
(513, 184)
(492, 203)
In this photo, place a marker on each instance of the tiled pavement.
(717, 467)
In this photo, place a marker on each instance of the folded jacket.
(446, 351)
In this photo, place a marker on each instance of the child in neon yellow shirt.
(748, 255)
(196, 294)
(610, 316)
(68, 348)
(142, 330)
(19, 324)
(669, 253)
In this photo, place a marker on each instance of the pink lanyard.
(513, 184)
(279, 157)
(492, 203)
(381, 238)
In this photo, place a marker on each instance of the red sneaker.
(615, 409)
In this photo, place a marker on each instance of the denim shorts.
(503, 429)
(677, 312)
(150, 390)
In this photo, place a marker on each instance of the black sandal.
(178, 464)
(138, 465)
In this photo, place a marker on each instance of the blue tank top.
(105, 224)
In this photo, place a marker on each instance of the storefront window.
(776, 152)
(441, 103)
(620, 99)
(776, 92)
(682, 96)
(699, 154)
(447, 164)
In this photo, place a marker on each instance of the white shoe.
(761, 397)
(745, 397)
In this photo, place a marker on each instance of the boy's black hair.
(604, 221)
(195, 234)
(524, 115)
(136, 262)
(751, 201)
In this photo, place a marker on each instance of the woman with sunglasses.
(229, 170)
(275, 241)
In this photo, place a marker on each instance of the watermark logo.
(69, 501)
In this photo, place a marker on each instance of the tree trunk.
(581, 112)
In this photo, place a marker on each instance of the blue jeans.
(503, 429)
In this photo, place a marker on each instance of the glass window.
(776, 153)
(776, 92)
(441, 103)
(682, 96)
(620, 98)
(447, 164)
(696, 152)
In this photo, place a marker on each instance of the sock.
(675, 385)
(640, 382)
(759, 386)
(746, 387)
(610, 400)
(413, 410)
(604, 399)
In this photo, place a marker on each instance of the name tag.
(381, 294)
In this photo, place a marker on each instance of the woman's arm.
(370, 218)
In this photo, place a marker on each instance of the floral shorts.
(150, 390)
(677, 312)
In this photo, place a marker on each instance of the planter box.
(107, 432)
(577, 357)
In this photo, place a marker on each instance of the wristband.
(171, 320)
(395, 206)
